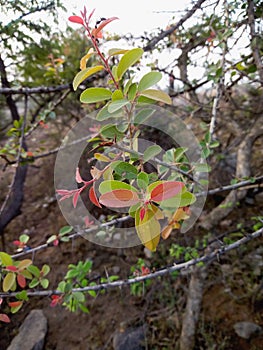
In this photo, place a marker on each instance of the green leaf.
(127, 60)
(179, 152)
(157, 95)
(6, 259)
(101, 157)
(104, 114)
(92, 95)
(126, 170)
(34, 270)
(79, 296)
(51, 239)
(143, 115)
(214, 144)
(22, 295)
(117, 95)
(45, 270)
(148, 229)
(9, 281)
(110, 185)
(116, 105)
(84, 74)
(127, 85)
(34, 283)
(24, 238)
(143, 180)
(202, 167)
(182, 199)
(110, 131)
(151, 152)
(132, 92)
(149, 80)
(65, 230)
(113, 52)
(44, 283)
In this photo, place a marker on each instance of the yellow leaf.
(9, 281)
(102, 157)
(148, 229)
(24, 264)
(85, 58)
(84, 74)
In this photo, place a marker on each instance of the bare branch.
(169, 31)
(176, 267)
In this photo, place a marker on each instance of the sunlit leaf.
(101, 157)
(149, 80)
(92, 95)
(84, 74)
(117, 95)
(182, 199)
(44, 283)
(127, 60)
(157, 95)
(45, 270)
(65, 230)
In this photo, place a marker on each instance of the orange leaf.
(21, 281)
(96, 32)
(166, 190)
(76, 19)
(93, 197)
(166, 231)
(15, 303)
(119, 198)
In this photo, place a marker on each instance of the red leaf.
(76, 19)
(119, 198)
(96, 31)
(21, 281)
(75, 199)
(78, 177)
(1, 300)
(56, 243)
(166, 190)
(87, 221)
(17, 243)
(56, 299)
(91, 14)
(4, 318)
(142, 213)
(15, 303)
(93, 197)
(11, 268)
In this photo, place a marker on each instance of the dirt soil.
(232, 292)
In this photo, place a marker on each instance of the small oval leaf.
(119, 198)
(127, 60)
(84, 74)
(149, 80)
(92, 95)
(151, 152)
(157, 95)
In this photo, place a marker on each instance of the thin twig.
(176, 267)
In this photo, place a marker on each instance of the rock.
(32, 332)
(130, 339)
(247, 329)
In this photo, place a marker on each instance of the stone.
(247, 329)
(130, 339)
(32, 332)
